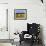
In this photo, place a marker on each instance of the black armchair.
(32, 29)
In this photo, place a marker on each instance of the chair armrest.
(24, 32)
(22, 35)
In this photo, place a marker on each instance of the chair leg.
(32, 42)
(20, 42)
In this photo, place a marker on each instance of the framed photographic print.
(20, 14)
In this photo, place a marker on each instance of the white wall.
(3, 1)
(3, 21)
(3, 34)
(35, 13)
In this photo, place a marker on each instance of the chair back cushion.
(33, 28)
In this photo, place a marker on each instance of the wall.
(35, 13)
(3, 21)
(3, 1)
(3, 34)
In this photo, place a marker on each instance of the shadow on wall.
(41, 34)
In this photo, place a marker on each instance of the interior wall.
(4, 34)
(3, 1)
(35, 14)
